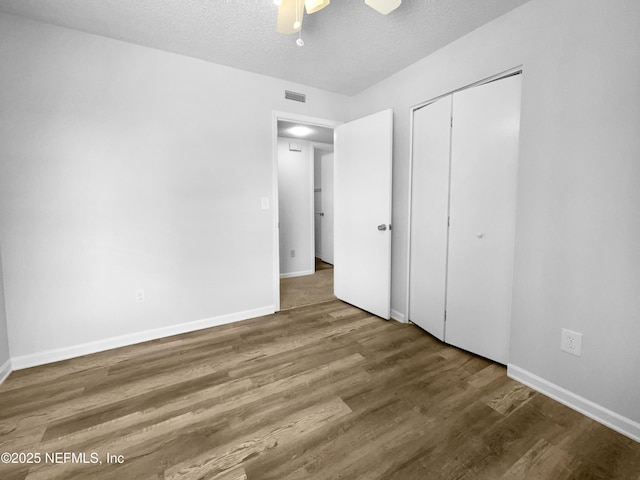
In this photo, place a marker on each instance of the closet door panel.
(482, 217)
(429, 212)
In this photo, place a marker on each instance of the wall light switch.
(264, 202)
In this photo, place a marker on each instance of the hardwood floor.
(308, 289)
(319, 392)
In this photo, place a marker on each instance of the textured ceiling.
(348, 46)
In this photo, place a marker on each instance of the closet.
(464, 177)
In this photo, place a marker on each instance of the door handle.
(382, 227)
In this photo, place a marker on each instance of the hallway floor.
(309, 289)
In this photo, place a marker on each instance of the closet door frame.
(507, 73)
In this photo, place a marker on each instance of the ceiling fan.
(290, 12)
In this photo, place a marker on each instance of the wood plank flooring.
(307, 289)
(319, 392)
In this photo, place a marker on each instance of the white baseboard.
(396, 315)
(5, 370)
(297, 274)
(55, 355)
(600, 414)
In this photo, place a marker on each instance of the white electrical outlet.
(264, 203)
(571, 342)
(140, 295)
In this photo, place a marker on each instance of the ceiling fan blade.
(313, 6)
(290, 12)
(383, 6)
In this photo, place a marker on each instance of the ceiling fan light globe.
(383, 6)
(290, 12)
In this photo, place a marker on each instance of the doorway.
(362, 198)
(304, 176)
(323, 206)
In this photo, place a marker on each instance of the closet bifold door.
(429, 216)
(484, 155)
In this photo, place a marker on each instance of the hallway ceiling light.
(300, 131)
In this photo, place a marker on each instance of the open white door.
(362, 212)
(327, 208)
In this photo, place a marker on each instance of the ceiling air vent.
(295, 96)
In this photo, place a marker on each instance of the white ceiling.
(348, 46)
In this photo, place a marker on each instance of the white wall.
(295, 199)
(5, 364)
(577, 261)
(124, 167)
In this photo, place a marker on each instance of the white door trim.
(288, 117)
